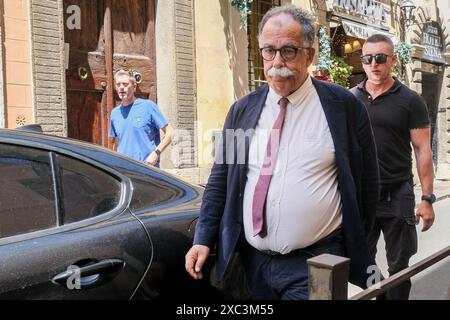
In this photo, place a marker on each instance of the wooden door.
(114, 34)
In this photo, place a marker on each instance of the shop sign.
(361, 31)
(432, 40)
(367, 8)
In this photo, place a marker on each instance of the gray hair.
(121, 73)
(375, 38)
(303, 17)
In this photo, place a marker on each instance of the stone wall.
(176, 72)
(47, 29)
(185, 68)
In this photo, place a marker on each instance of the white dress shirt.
(303, 202)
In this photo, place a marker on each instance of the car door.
(65, 228)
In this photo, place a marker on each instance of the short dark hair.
(303, 17)
(377, 37)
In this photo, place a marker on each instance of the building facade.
(350, 22)
(58, 57)
(234, 52)
(16, 97)
(429, 73)
(194, 58)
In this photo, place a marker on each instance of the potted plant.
(340, 71)
(324, 63)
(331, 68)
(403, 51)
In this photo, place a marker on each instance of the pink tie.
(262, 186)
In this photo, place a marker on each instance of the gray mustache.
(281, 72)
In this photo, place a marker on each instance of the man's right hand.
(195, 259)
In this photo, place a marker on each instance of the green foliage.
(404, 51)
(243, 7)
(337, 69)
(324, 62)
(340, 71)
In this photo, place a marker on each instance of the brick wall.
(48, 59)
(185, 65)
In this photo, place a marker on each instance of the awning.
(362, 31)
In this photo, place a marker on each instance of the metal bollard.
(328, 277)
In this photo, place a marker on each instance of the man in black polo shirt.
(399, 117)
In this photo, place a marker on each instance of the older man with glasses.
(309, 181)
(399, 117)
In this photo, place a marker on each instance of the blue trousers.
(285, 277)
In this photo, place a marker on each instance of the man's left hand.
(426, 212)
(152, 159)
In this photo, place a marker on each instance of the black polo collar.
(395, 87)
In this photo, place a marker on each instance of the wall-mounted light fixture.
(348, 48)
(407, 8)
(352, 47)
(356, 45)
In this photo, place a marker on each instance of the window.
(255, 62)
(27, 198)
(87, 191)
(41, 189)
(150, 192)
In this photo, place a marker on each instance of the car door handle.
(89, 274)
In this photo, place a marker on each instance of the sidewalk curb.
(437, 199)
(442, 197)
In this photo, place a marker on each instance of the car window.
(150, 192)
(27, 197)
(87, 191)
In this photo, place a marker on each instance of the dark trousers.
(272, 276)
(396, 219)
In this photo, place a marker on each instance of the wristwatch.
(431, 198)
(157, 152)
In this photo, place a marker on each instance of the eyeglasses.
(380, 58)
(288, 53)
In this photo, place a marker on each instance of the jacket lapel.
(250, 117)
(334, 110)
(254, 108)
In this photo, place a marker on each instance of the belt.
(329, 238)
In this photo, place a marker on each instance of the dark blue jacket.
(221, 215)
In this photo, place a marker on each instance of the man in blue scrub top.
(136, 123)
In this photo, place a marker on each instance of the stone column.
(414, 73)
(49, 80)
(175, 69)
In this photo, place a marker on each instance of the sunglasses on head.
(380, 58)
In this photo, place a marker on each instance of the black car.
(78, 221)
